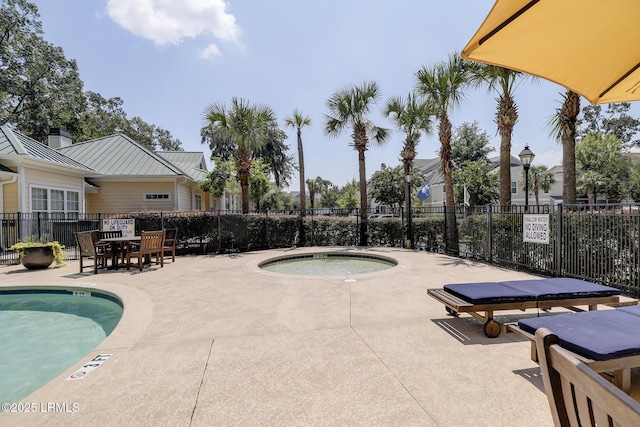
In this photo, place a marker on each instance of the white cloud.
(210, 52)
(170, 21)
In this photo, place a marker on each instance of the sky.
(169, 59)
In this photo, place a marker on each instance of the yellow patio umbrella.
(589, 46)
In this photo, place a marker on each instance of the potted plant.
(36, 255)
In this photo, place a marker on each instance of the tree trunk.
(363, 196)
(407, 198)
(591, 194)
(568, 115)
(303, 195)
(243, 169)
(445, 158)
(505, 168)
(244, 186)
(506, 119)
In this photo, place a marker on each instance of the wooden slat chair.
(115, 249)
(88, 249)
(578, 396)
(151, 244)
(170, 237)
(107, 234)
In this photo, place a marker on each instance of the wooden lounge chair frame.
(577, 395)
(89, 249)
(491, 327)
(151, 244)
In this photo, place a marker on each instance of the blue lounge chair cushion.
(489, 292)
(563, 288)
(598, 335)
(528, 290)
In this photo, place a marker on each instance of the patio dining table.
(119, 245)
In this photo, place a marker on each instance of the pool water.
(42, 334)
(327, 264)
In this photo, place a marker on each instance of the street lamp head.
(526, 157)
(407, 177)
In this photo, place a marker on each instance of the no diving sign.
(89, 367)
(535, 229)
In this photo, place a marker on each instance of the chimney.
(58, 138)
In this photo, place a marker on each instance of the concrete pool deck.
(212, 340)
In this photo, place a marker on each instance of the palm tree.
(589, 181)
(243, 126)
(541, 179)
(411, 117)
(348, 108)
(297, 121)
(503, 81)
(317, 185)
(442, 86)
(563, 128)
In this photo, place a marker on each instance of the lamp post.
(526, 157)
(407, 197)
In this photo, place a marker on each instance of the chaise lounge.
(542, 294)
(606, 340)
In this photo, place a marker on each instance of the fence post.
(444, 228)
(559, 241)
(266, 228)
(490, 233)
(219, 234)
(19, 219)
(39, 225)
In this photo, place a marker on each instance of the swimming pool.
(328, 264)
(45, 332)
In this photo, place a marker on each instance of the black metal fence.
(600, 243)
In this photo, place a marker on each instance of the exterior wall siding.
(10, 197)
(184, 197)
(53, 179)
(45, 179)
(129, 197)
(206, 200)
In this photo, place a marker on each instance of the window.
(39, 200)
(73, 201)
(151, 197)
(514, 187)
(198, 202)
(57, 200)
(63, 204)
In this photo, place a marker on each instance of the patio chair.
(104, 234)
(578, 396)
(89, 249)
(170, 237)
(151, 244)
(116, 249)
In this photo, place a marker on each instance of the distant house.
(430, 168)
(113, 174)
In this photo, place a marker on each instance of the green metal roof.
(119, 155)
(114, 155)
(190, 162)
(13, 143)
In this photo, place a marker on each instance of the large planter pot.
(36, 258)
